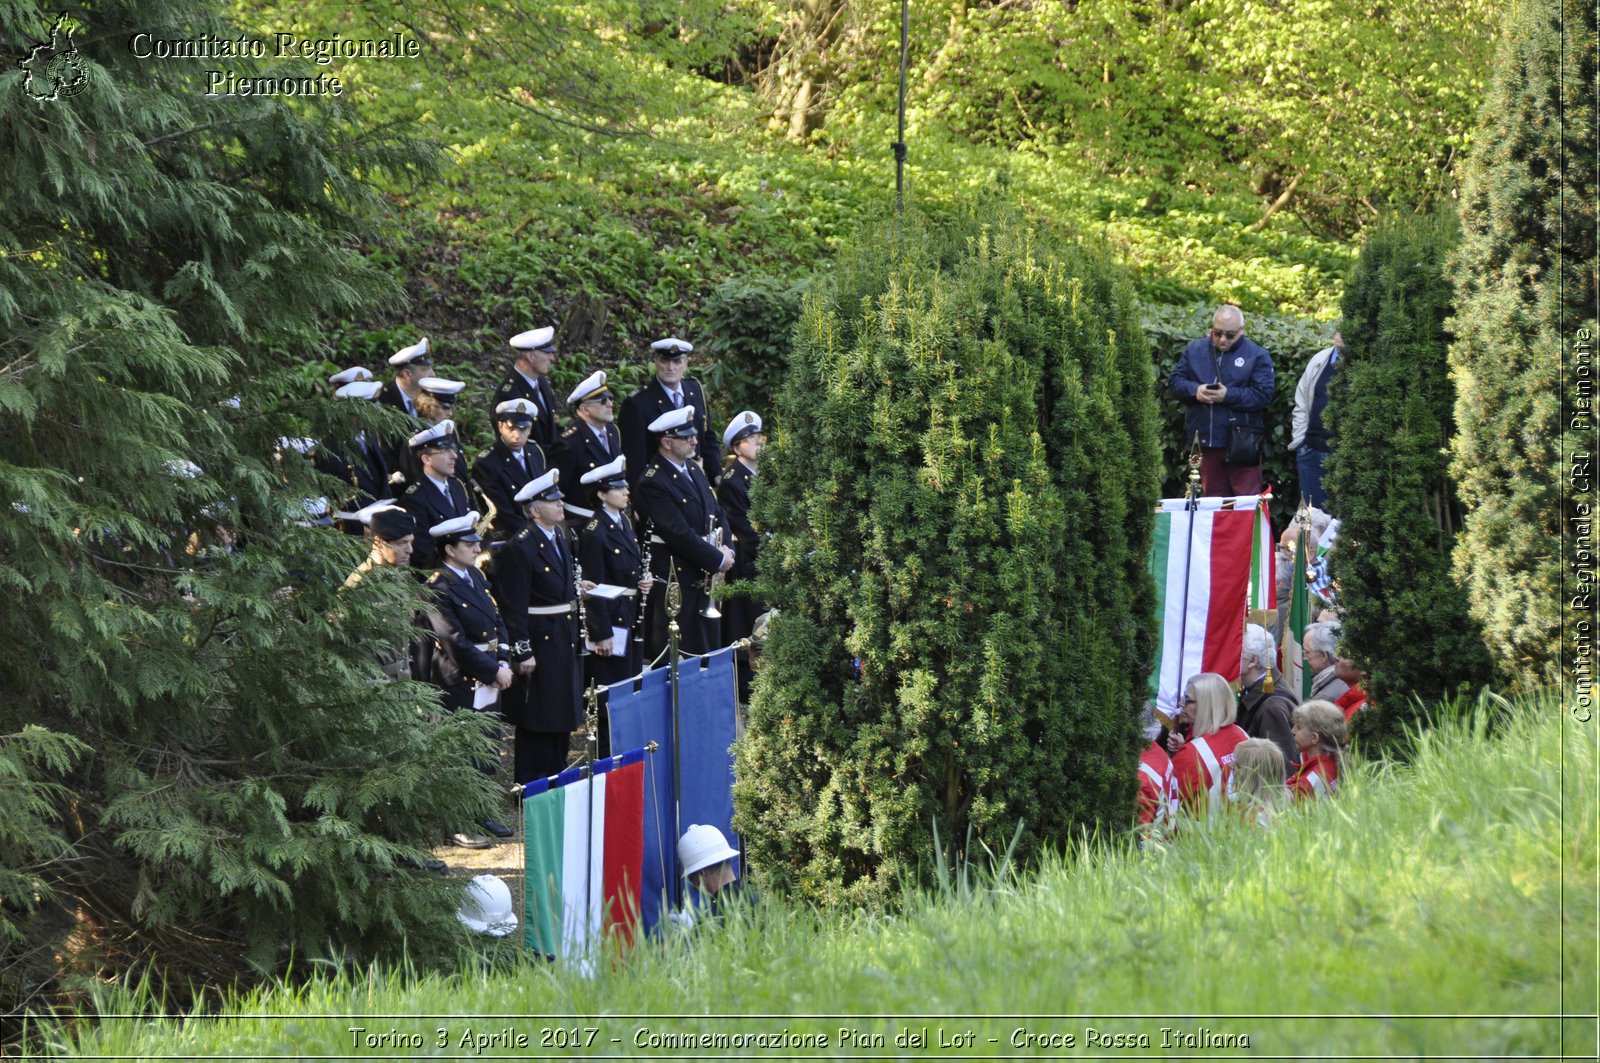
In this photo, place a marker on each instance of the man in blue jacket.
(1226, 381)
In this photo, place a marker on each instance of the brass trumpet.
(714, 579)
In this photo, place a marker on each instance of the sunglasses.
(1224, 334)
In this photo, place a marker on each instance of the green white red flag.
(1209, 566)
(584, 857)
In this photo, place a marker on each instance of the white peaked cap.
(745, 423)
(592, 384)
(351, 375)
(361, 389)
(406, 355)
(533, 339)
(611, 470)
(438, 385)
(674, 420)
(439, 431)
(539, 487)
(674, 344)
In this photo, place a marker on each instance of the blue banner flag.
(706, 707)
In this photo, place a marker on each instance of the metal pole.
(674, 606)
(591, 747)
(1192, 509)
(900, 143)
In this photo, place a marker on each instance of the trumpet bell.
(711, 612)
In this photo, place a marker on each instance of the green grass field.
(1444, 908)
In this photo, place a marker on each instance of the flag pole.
(674, 606)
(591, 746)
(1191, 507)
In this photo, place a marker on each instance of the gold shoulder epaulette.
(592, 525)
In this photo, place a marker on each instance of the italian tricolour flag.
(1210, 566)
(585, 856)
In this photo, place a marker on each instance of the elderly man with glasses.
(1227, 381)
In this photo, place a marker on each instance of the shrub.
(1525, 281)
(1391, 405)
(960, 492)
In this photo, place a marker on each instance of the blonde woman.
(1256, 786)
(1319, 731)
(1203, 762)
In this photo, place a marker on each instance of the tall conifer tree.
(243, 785)
(1526, 285)
(960, 493)
(1405, 619)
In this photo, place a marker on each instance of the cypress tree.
(197, 724)
(1526, 290)
(1406, 621)
(960, 495)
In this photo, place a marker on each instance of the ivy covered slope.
(959, 499)
(612, 183)
(208, 773)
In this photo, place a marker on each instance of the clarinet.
(644, 570)
(583, 612)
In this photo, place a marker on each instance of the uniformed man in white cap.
(469, 654)
(668, 390)
(355, 459)
(744, 442)
(437, 495)
(676, 502)
(530, 379)
(502, 470)
(410, 364)
(610, 553)
(536, 584)
(591, 442)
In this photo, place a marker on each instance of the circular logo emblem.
(1239, 362)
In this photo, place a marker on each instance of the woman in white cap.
(468, 656)
(744, 442)
(611, 555)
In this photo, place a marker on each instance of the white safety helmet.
(487, 907)
(701, 846)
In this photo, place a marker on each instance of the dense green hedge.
(960, 495)
(1525, 281)
(1391, 406)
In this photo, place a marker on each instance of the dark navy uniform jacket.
(464, 618)
(641, 408)
(733, 492)
(530, 573)
(499, 477)
(676, 505)
(579, 452)
(516, 386)
(425, 502)
(610, 553)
